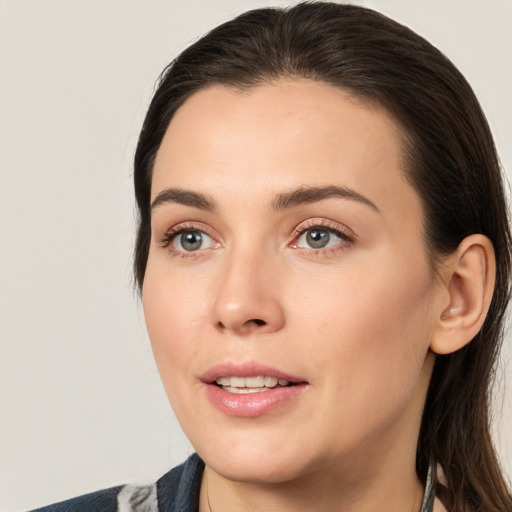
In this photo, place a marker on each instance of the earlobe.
(468, 277)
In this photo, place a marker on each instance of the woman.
(323, 255)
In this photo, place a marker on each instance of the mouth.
(252, 384)
(251, 389)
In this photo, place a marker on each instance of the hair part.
(450, 160)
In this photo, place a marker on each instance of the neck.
(326, 491)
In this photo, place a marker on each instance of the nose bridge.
(247, 292)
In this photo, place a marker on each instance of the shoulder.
(177, 490)
(104, 501)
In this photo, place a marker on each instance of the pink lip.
(249, 369)
(252, 404)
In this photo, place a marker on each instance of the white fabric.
(133, 498)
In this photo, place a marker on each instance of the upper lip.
(248, 369)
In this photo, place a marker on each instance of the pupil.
(318, 238)
(191, 240)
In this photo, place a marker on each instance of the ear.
(468, 277)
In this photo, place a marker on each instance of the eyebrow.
(305, 195)
(185, 197)
(302, 195)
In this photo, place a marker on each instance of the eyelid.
(326, 224)
(346, 236)
(165, 240)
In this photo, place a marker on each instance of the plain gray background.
(81, 404)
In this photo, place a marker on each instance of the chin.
(260, 470)
(257, 461)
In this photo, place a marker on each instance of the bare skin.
(354, 318)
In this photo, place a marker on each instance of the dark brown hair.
(450, 160)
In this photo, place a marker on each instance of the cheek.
(174, 310)
(373, 329)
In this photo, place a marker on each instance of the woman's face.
(287, 244)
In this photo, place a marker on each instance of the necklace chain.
(208, 493)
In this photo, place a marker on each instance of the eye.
(192, 240)
(316, 235)
(318, 238)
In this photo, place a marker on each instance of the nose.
(247, 299)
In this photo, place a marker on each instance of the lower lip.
(252, 404)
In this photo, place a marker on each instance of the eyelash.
(167, 239)
(344, 234)
(170, 234)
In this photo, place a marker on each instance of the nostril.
(255, 321)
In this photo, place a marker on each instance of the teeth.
(253, 382)
(271, 382)
(250, 384)
(243, 391)
(237, 382)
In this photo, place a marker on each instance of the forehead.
(279, 136)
